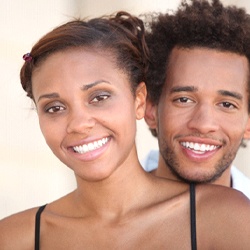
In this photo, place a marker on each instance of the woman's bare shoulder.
(224, 214)
(216, 194)
(17, 231)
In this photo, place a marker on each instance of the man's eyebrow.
(48, 96)
(230, 93)
(91, 85)
(183, 89)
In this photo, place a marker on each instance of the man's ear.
(140, 100)
(247, 130)
(151, 115)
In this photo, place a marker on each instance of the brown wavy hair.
(121, 34)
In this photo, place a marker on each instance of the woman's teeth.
(90, 146)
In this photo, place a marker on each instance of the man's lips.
(91, 146)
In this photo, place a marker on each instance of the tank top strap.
(37, 226)
(193, 216)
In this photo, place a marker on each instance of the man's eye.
(99, 98)
(228, 105)
(54, 109)
(183, 99)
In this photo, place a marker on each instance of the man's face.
(202, 114)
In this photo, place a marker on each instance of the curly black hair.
(196, 23)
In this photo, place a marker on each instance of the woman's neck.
(115, 195)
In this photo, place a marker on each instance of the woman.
(86, 79)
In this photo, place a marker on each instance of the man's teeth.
(90, 146)
(199, 147)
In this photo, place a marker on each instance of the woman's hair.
(200, 23)
(121, 35)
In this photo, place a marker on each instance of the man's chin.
(201, 178)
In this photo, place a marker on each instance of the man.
(198, 85)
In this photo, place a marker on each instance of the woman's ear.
(151, 115)
(140, 100)
(247, 130)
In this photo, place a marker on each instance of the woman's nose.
(80, 121)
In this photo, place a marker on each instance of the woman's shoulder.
(17, 231)
(221, 195)
(224, 200)
(224, 214)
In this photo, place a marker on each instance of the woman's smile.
(91, 146)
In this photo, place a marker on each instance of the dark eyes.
(57, 107)
(186, 100)
(100, 98)
(182, 100)
(228, 105)
(54, 109)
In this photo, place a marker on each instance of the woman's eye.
(55, 109)
(99, 98)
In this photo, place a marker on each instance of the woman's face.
(87, 112)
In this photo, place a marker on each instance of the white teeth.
(196, 146)
(90, 146)
(203, 147)
(199, 148)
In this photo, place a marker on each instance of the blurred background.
(30, 175)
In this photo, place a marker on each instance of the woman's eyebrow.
(84, 87)
(91, 85)
(48, 96)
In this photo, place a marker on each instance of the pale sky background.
(30, 174)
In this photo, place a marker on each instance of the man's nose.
(204, 119)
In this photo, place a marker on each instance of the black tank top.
(37, 227)
(192, 222)
(193, 217)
